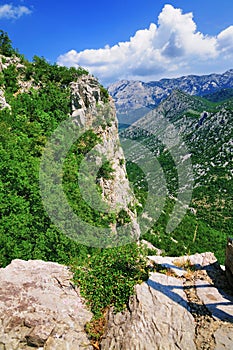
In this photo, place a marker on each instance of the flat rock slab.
(158, 318)
(40, 307)
(224, 337)
(178, 264)
(218, 303)
(168, 263)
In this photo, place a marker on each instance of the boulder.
(41, 308)
(186, 307)
(157, 318)
(229, 261)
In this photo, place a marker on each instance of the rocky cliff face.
(135, 98)
(92, 110)
(16, 62)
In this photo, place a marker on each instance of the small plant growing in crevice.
(106, 171)
(104, 94)
(123, 218)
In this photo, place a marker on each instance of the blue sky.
(145, 40)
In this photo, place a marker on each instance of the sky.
(135, 40)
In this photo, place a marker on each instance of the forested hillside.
(205, 129)
(35, 97)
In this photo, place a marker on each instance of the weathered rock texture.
(41, 308)
(158, 318)
(3, 103)
(92, 109)
(185, 312)
(229, 261)
(24, 86)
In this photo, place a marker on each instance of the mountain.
(51, 118)
(191, 138)
(61, 163)
(134, 99)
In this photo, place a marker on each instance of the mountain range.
(199, 158)
(133, 99)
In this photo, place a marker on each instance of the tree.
(5, 44)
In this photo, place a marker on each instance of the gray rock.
(90, 110)
(179, 265)
(218, 303)
(158, 318)
(223, 338)
(151, 246)
(3, 103)
(229, 261)
(40, 307)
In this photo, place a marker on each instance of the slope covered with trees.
(206, 129)
(35, 98)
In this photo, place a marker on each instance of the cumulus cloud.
(169, 48)
(9, 11)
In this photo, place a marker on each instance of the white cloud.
(225, 40)
(9, 11)
(173, 47)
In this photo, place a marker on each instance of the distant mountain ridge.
(205, 128)
(133, 99)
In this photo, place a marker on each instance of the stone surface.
(41, 308)
(178, 265)
(92, 110)
(223, 337)
(168, 263)
(197, 260)
(189, 311)
(158, 318)
(229, 261)
(217, 302)
(151, 247)
(3, 103)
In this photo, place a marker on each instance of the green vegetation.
(106, 171)
(6, 48)
(106, 276)
(221, 95)
(104, 94)
(26, 232)
(207, 224)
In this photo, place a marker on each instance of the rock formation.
(184, 305)
(3, 103)
(91, 109)
(41, 308)
(229, 261)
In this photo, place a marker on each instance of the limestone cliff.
(93, 109)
